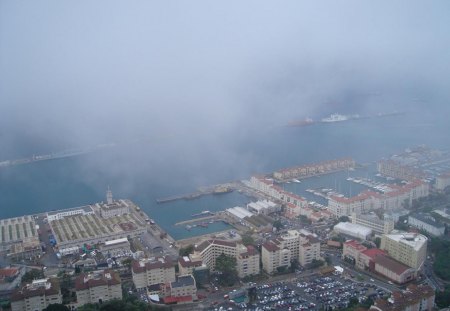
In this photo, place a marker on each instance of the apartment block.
(247, 258)
(152, 272)
(36, 296)
(289, 246)
(98, 287)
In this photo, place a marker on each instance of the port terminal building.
(95, 224)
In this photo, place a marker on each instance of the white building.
(442, 181)
(427, 223)
(380, 226)
(353, 230)
(263, 207)
(82, 210)
(408, 248)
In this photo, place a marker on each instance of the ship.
(335, 117)
(203, 225)
(304, 122)
(203, 213)
(222, 190)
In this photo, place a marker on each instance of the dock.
(197, 194)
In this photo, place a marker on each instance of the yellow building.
(247, 258)
(98, 287)
(154, 271)
(36, 296)
(408, 248)
(287, 247)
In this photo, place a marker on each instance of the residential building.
(427, 223)
(379, 226)
(415, 298)
(98, 287)
(408, 248)
(291, 245)
(187, 264)
(152, 272)
(396, 170)
(442, 181)
(352, 249)
(393, 198)
(247, 258)
(36, 296)
(274, 257)
(247, 261)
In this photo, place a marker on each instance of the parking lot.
(310, 293)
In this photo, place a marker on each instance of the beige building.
(287, 247)
(408, 248)
(187, 264)
(415, 298)
(379, 226)
(442, 181)
(393, 269)
(247, 258)
(36, 296)
(184, 286)
(152, 272)
(98, 287)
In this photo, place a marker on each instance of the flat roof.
(116, 241)
(414, 240)
(239, 212)
(353, 228)
(86, 209)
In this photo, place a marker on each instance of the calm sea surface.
(143, 172)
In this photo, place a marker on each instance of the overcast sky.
(86, 72)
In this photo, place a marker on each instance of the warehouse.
(353, 230)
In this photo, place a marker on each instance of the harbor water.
(157, 170)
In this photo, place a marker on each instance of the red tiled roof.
(270, 246)
(391, 264)
(8, 272)
(373, 252)
(83, 281)
(161, 262)
(172, 299)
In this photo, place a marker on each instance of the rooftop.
(391, 264)
(183, 280)
(97, 278)
(39, 287)
(152, 263)
(358, 229)
(428, 219)
(414, 240)
(207, 243)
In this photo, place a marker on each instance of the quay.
(196, 220)
(215, 189)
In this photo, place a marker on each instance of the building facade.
(36, 296)
(379, 226)
(415, 298)
(427, 223)
(98, 287)
(289, 246)
(154, 271)
(408, 248)
(247, 258)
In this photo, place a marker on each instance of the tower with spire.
(109, 196)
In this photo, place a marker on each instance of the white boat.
(296, 180)
(335, 117)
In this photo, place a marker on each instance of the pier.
(199, 193)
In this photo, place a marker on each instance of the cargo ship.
(304, 122)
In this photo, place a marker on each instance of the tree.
(226, 266)
(315, 264)
(32, 275)
(277, 224)
(247, 239)
(185, 251)
(56, 307)
(443, 297)
(127, 262)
